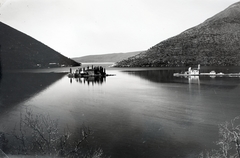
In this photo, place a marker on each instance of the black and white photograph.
(119, 78)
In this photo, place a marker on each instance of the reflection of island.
(166, 76)
(18, 87)
(93, 80)
(193, 80)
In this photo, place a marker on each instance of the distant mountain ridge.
(215, 42)
(20, 51)
(113, 57)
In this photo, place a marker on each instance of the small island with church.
(196, 72)
(93, 71)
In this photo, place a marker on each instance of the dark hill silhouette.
(215, 42)
(113, 57)
(20, 51)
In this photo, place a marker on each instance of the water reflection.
(93, 80)
(143, 113)
(194, 80)
(18, 87)
(166, 76)
(162, 76)
(0, 74)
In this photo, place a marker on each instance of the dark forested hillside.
(20, 51)
(215, 42)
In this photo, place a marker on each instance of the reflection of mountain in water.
(0, 73)
(0, 63)
(166, 76)
(159, 76)
(18, 87)
(220, 82)
(99, 80)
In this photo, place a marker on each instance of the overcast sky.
(77, 28)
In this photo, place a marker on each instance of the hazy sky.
(83, 27)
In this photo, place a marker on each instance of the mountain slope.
(114, 57)
(20, 51)
(215, 42)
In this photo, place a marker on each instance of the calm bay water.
(137, 113)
